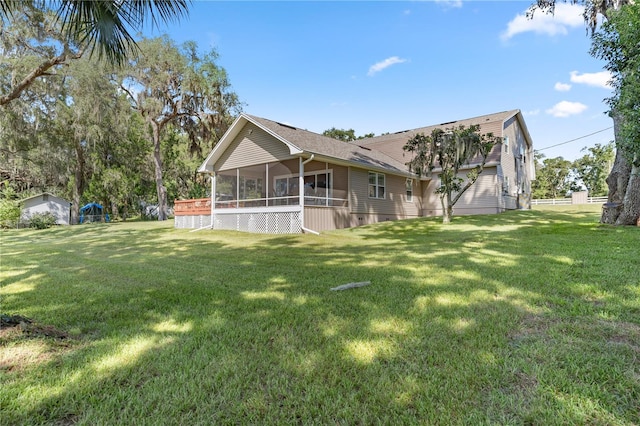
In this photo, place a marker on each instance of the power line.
(573, 140)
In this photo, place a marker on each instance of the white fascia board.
(231, 134)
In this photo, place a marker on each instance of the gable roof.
(381, 153)
(60, 200)
(304, 143)
(392, 143)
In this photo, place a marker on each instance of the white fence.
(567, 201)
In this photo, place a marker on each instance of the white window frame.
(505, 141)
(328, 172)
(377, 186)
(409, 189)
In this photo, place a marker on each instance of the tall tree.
(93, 116)
(592, 169)
(624, 189)
(71, 27)
(450, 150)
(552, 178)
(618, 43)
(168, 85)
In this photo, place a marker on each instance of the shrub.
(42, 220)
(9, 213)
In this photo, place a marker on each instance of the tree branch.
(38, 72)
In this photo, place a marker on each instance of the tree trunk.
(157, 161)
(447, 209)
(631, 203)
(618, 179)
(78, 184)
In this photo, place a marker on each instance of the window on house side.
(409, 189)
(505, 142)
(376, 185)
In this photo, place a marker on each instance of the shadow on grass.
(467, 323)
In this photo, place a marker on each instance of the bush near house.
(43, 220)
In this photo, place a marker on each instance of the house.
(46, 203)
(271, 177)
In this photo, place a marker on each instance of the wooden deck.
(199, 206)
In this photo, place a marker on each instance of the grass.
(528, 317)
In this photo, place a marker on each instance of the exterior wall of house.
(46, 203)
(326, 218)
(394, 206)
(252, 146)
(514, 170)
(481, 198)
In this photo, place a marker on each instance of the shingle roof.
(320, 145)
(392, 144)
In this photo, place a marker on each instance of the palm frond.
(106, 26)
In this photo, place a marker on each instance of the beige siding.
(326, 218)
(395, 203)
(252, 146)
(513, 166)
(481, 198)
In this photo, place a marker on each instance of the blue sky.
(391, 66)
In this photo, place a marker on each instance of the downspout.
(213, 198)
(301, 194)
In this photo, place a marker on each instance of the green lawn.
(528, 317)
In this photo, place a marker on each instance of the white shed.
(44, 203)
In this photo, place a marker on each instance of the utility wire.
(573, 140)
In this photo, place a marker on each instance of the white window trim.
(377, 186)
(328, 172)
(409, 190)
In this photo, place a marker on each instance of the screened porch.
(278, 184)
(267, 198)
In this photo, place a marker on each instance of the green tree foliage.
(168, 85)
(451, 150)
(591, 169)
(618, 43)
(345, 135)
(9, 207)
(71, 27)
(553, 178)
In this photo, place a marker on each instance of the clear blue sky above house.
(391, 66)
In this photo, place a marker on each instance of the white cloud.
(384, 64)
(565, 16)
(596, 79)
(565, 109)
(450, 4)
(532, 112)
(562, 87)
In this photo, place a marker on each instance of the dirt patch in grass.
(24, 343)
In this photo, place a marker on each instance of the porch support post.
(213, 198)
(237, 188)
(266, 191)
(301, 190)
